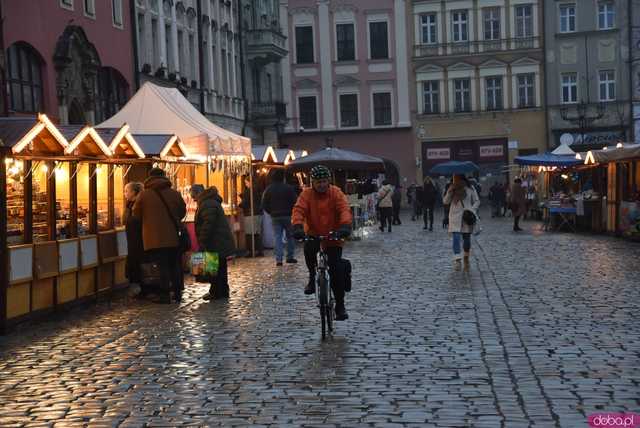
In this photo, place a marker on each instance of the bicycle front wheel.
(323, 297)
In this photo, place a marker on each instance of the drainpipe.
(242, 71)
(544, 101)
(134, 37)
(201, 61)
(3, 75)
(632, 125)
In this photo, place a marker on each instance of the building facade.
(478, 74)
(265, 48)
(345, 80)
(61, 60)
(201, 57)
(635, 67)
(588, 72)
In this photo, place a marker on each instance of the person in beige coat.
(461, 197)
(385, 205)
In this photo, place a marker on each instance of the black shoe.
(517, 229)
(292, 261)
(381, 229)
(311, 287)
(207, 297)
(431, 228)
(278, 263)
(341, 313)
(389, 230)
(425, 228)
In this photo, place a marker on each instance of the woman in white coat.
(461, 197)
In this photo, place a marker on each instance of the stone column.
(324, 33)
(211, 78)
(174, 40)
(286, 65)
(163, 38)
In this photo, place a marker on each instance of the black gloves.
(298, 232)
(344, 231)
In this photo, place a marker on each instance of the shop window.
(102, 177)
(40, 204)
(15, 201)
(120, 203)
(24, 78)
(84, 210)
(63, 201)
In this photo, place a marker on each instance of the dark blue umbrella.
(454, 167)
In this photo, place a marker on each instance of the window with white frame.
(567, 18)
(607, 85)
(524, 21)
(90, 8)
(66, 4)
(346, 44)
(429, 28)
(494, 93)
(569, 88)
(382, 109)
(379, 40)
(348, 110)
(606, 15)
(431, 97)
(304, 44)
(491, 19)
(116, 12)
(462, 95)
(308, 111)
(460, 25)
(526, 90)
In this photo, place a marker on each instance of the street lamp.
(582, 118)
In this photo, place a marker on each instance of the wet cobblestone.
(541, 332)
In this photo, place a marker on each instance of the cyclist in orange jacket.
(322, 209)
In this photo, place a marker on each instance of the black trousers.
(311, 249)
(220, 284)
(396, 214)
(428, 215)
(170, 261)
(386, 216)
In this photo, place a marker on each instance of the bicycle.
(324, 294)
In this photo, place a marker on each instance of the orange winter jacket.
(322, 213)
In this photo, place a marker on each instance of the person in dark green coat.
(214, 234)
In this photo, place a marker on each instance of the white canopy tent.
(159, 110)
(564, 150)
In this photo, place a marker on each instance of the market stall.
(215, 156)
(621, 164)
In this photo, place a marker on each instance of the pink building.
(71, 59)
(346, 80)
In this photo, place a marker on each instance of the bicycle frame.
(324, 294)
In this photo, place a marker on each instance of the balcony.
(476, 47)
(266, 45)
(268, 113)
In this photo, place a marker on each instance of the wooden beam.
(28, 202)
(111, 196)
(93, 199)
(4, 258)
(73, 196)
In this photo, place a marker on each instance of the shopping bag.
(204, 264)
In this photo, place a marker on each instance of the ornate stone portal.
(77, 63)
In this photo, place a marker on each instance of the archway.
(76, 113)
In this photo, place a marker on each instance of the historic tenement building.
(479, 84)
(346, 79)
(588, 72)
(71, 59)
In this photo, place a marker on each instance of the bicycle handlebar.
(333, 236)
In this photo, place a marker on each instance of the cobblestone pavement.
(543, 331)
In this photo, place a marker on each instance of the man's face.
(320, 186)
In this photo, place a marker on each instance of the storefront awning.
(158, 110)
(548, 159)
(613, 154)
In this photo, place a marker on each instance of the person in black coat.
(135, 247)
(278, 201)
(429, 198)
(396, 198)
